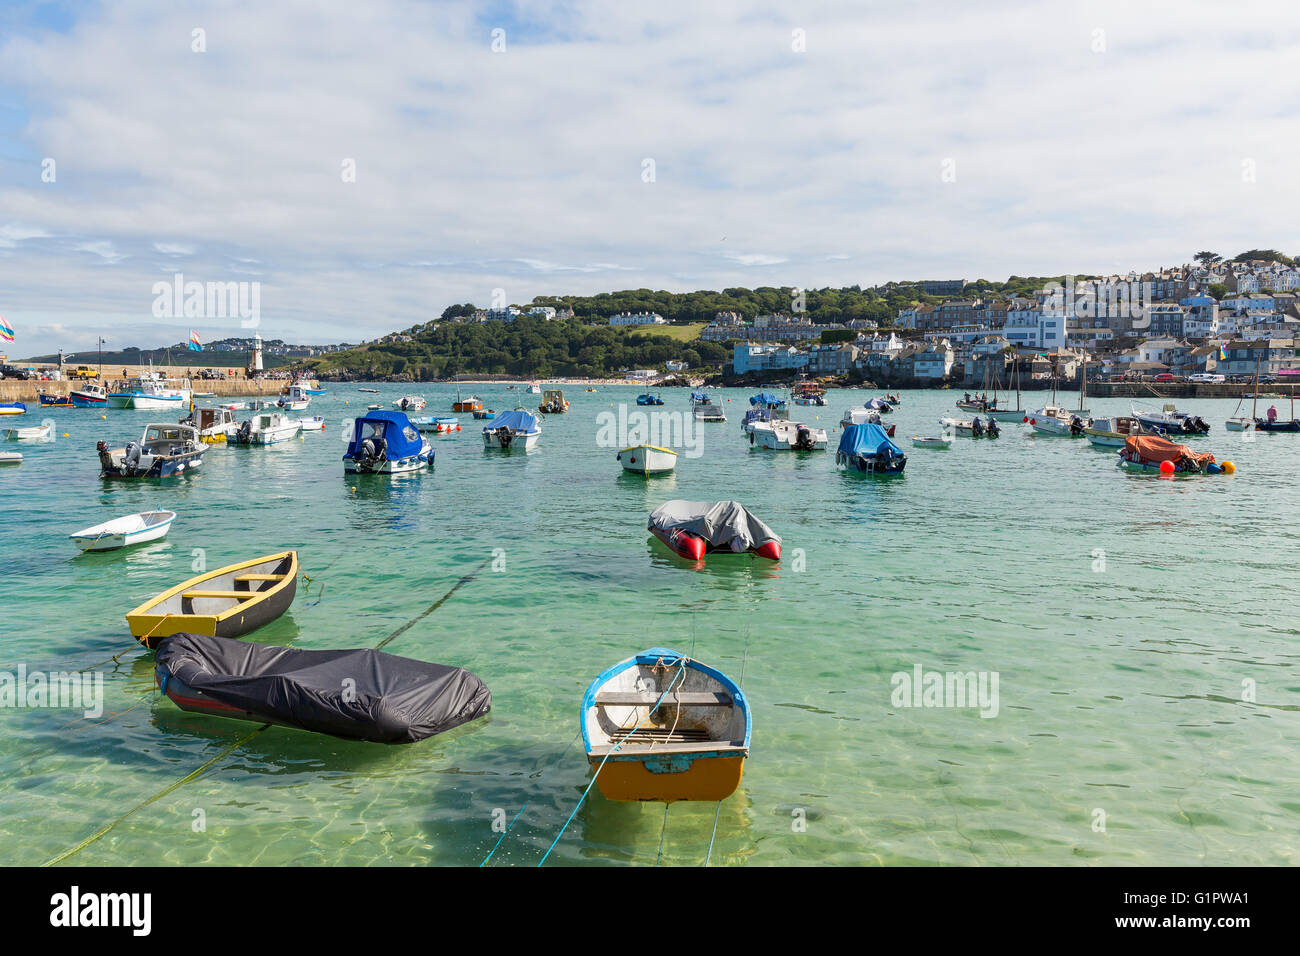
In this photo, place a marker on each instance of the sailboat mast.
(1254, 394)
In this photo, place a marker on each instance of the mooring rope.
(249, 736)
(608, 754)
(718, 811)
(549, 768)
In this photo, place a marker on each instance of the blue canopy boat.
(649, 398)
(765, 407)
(386, 443)
(866, 448)
(517, 429)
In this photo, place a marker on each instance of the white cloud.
(524, 169)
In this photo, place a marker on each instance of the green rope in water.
(249, 736)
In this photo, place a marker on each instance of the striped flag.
(1223, 353)
(6, 330)
(195, 344)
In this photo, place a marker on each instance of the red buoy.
(1166, 467)
(769, 549)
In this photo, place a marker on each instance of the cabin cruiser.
(1113, 432)
(787, 436)
(1170, 421)
(295, 399)
(386, 443)
(215, 425)
(151, 390)
(90, 395)
(862, 415)
(266, 428)
(163, 451)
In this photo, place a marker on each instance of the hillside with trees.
(529, 347)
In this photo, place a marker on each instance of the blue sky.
(1085, 137)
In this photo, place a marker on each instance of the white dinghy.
(125, 531)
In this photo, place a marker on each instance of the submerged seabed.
(1142, 633)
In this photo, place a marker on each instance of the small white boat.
(410, 403)
(121, 532)
(930, 441)
(35, 433)
(234, 406)
(10, 458)
(787, 436)
(534, 389)
(647, 459)
(374, 408)
(957, 426)
(294, 399)
(314, 424)
(372, 391)
(1056, 421)
(1113, 432)
(266, 428)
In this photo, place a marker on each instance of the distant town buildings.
(637, 318)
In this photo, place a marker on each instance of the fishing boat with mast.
(90, 395)
(808, 393)
(1270, 422)
(151, 390)
(471, 404)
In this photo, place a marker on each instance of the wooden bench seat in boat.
(619, 698)
(241, 595)
(259, 577)
(694, 746)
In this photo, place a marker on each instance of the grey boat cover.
(725, 525)
(354, 694)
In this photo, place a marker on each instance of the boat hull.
(647, 460)
(708, 776)
(402, 466)
(525, 442)
(660, 727)
(867, 465)
(168, 466)
(114, 540)
(82, 400)
(153, 620)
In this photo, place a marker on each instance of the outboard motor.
(1076, 425)
(131, 457)
(994, 431)
(245, 433)
(1201, 425)
(883, 459)
(403, 404)
(977, 427)
(803, 439)
(504, 437)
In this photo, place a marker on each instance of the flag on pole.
(6, 330)
(195, 344)
(1223, 353)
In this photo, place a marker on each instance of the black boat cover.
(354, 694)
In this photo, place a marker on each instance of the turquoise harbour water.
(1124, 616)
